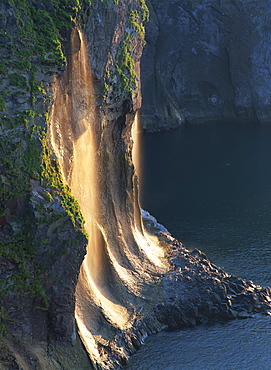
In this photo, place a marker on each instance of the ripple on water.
(210, 186)
(239, 344)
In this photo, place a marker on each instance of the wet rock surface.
(196, 292)
(208, 59)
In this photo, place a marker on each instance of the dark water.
(211, 187)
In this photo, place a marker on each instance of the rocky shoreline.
(42, 236)
(196, 292)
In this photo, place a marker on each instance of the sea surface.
(210, 185)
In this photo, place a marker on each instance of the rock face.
(42, 242)
(42, 235)
(67, 107)
(208, 59)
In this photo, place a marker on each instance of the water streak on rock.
(122, 261)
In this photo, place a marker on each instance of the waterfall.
(123, 263)
(136, 152)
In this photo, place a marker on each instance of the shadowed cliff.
(208, 60)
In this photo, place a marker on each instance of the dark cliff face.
(210, 59)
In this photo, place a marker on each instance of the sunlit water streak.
(122, 261)
(136, 153)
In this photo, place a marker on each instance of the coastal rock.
(209, 59)
(141, 279)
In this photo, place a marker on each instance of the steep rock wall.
(45, 96)
(209, 59)
(43, 241)
(144, 280)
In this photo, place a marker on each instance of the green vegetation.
(136, 24)
(145, 11)
(4, 318)
(52, 177)
(125, 67)
(2, 104)
(18, 80)
(19, 161)
(3, 70)
(124, 71)
(39, 29)
(34, 46)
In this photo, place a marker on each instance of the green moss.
(52, 177)
(122, 80)
(144, 11)
(20, 161)
(25, 53)
(26, 279)
(19, 81)
(4, 319)
(38, 39)
(6, 36)
(136, 23)
(49, 197)
(2, 104)
(3, 70)
(39, 28)
(3, 17)
(22, 65)
(32, 159)
(125, 66)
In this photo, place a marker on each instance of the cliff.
(42, 230)
(84, 276)
(208, 60)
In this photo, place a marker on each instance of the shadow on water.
(241, 344)
(211, 187)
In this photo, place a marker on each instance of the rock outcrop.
(209, 60)
(42, 235)
(69, 95)
(42, 240)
